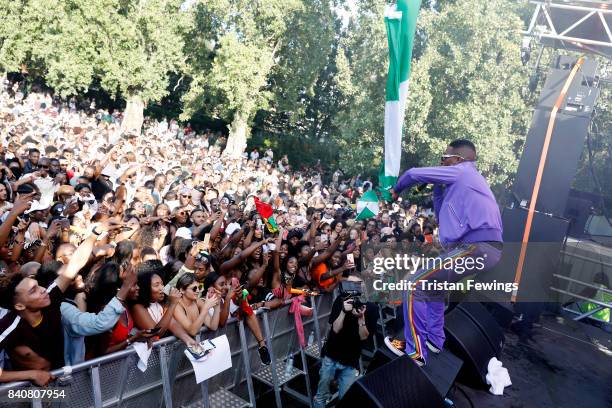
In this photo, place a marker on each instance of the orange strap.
(538, 179)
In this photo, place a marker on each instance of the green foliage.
(466, 83)
(231, 50)
(594, 171)
(129, 46)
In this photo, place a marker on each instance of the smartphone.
(64, 223)
(323, 237)
(350, 259)
(266, 248)
(197, 351)
(207, 240)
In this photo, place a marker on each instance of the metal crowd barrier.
(115, 381)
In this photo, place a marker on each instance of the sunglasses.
(185, 196)
(194, 288)
(43, 167)
(448, 156)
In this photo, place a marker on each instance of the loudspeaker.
(486, 324)
(393, 381)
(382, 356)
(466, 338)
(567, 143)
(567, 139)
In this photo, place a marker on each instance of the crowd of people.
(109, 238)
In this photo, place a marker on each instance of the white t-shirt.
(156, 311)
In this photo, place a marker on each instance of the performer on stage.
(470, 227)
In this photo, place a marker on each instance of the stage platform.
(563, 364)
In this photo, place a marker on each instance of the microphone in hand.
(421, 187)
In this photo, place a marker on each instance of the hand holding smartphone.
(350, 260)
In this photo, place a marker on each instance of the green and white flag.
(367, 205)
(400, 20)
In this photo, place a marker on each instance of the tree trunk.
(133, 116)
(237, 140)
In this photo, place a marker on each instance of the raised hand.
(23, 203)
(54, 228)
(174, 296)
(71, 208)
(110, 225)
(211, 301)
(197, 248)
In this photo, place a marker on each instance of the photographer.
(353, 321)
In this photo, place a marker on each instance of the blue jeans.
(346, 377)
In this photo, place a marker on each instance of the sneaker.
(432, 347)
(398, 347)
(420, 361)
(264, 355)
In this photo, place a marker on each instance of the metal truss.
(583, 25)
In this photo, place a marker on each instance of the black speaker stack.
(473, 337)
(567, 140)
(554, 211)
(393, 381)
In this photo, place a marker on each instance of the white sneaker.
(432, 347)
(396, 346)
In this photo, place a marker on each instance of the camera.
(351, 291)
(354, 299)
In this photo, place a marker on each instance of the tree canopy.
(129, 46)
(303, 76)
(466, 82)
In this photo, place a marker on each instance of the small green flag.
(271, 225)
(367, 206)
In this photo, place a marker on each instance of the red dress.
(120, 332)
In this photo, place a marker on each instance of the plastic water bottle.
(289, 366)
(311, 338)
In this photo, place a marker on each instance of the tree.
(131, 46)
(247, 56)
(466, 82)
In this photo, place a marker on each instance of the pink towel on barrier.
(296, 309)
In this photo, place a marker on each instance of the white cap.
(234, 226)
(38, 205)
(183, 232)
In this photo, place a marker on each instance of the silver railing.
(114, 380)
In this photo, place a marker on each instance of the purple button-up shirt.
(465, 207)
